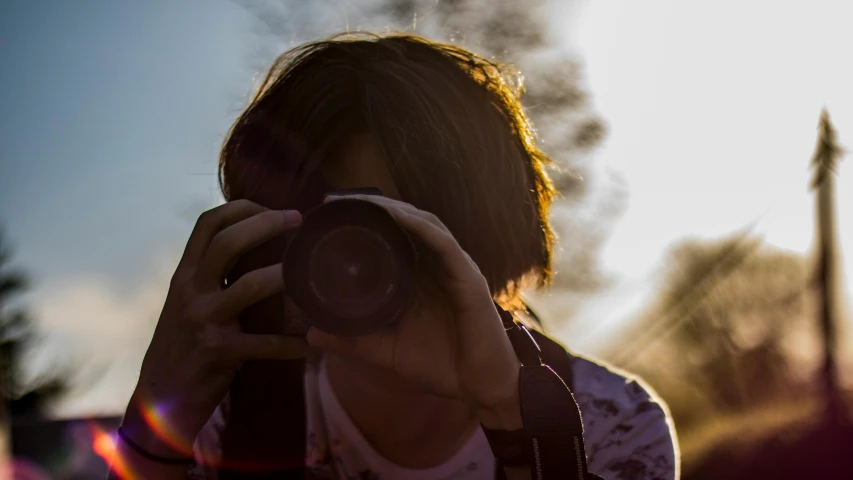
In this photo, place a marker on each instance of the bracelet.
(150, 456)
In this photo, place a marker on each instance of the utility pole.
(824, 164)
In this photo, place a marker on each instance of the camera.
(350, 266)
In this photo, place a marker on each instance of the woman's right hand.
(198, 344)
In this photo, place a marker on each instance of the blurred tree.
(17, 334)
(519, 33)
(718, 339)
(810, 435)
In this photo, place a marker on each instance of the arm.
(454, 345)
(648, 450)
(198, 343)
(459, 348)
(627, 430)
(129, 464)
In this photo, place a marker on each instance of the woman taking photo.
(226, 390)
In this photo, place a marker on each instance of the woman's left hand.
(462, 353)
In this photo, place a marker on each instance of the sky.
(112, 113)
(712, 109)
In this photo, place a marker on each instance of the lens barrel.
(350, 267)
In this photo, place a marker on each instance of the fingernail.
(291, 216)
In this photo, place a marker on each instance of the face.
(357, 164)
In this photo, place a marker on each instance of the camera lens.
(352, 271)
(350, 267)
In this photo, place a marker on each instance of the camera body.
(350, 267)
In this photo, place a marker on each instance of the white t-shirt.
(627, 435)
(337, 449)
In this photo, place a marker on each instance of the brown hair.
(450, 126)
(448, 122)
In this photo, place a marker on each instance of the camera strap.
(552, 434)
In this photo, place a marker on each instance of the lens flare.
(105, 446)
(156, 417)
(102, 443)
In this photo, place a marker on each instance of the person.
(442, 133)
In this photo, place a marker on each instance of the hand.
(198, 344)
(457, 348)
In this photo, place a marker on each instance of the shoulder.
(628, 431)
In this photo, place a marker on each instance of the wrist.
(138, 434)
(156, 433)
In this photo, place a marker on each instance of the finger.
(239, 238)
(376, 348)
(294, 314)
(391, 203)
(251, 288)
(211, 222)
(247, 346)
(458, 265)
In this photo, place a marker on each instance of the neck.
(404, 423)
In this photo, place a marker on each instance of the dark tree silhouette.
(17, 336)
(715, 339)
(824, 164)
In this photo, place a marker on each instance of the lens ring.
(352, 271)
(316, 224)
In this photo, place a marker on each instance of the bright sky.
(712, 109)
(113, 113)
(112, 117)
